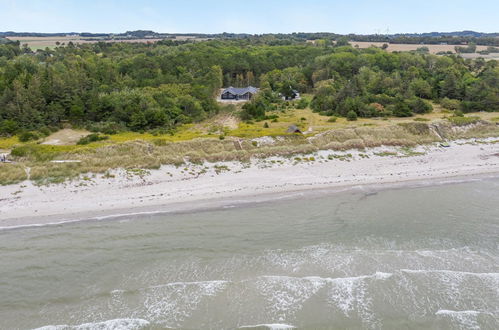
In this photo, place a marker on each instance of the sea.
(416, 257)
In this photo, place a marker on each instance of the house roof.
(293, 129)
(241, 91)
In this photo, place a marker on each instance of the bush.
(333, 119)
(458, 113)
(302, 104)
(22, 151)
(266, 125)
(8, 127)
(36, 152)
(463, 121)
(418, 105)
(28, 136)
(450, 104)
(400, 109)
(94, 137)
(45, 131)
(351, 115)
(255, 109)
(109, 128)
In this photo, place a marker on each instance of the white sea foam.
(272, 326)
(453, 313)
(451, 272)
(116, 324)
(206, 284)
(464, 319)
(172, 303)
(286, 294)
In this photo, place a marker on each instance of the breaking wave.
(117, 324)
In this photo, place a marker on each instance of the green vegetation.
(92, 138)
(463, 121)
(471, 48)
(351, 115)
(153, 104)
(117, 87)
(99, 157)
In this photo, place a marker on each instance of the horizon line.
(252, 34)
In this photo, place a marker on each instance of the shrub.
(28, 136)
(351, 115)
(109, 128)
(35, 152)
(45, 131)
(458, 113)
(22, 151)
(255, 109)
(418, 105)
(400, 109)
(450, 104)
(302, 104)
(8, 127)
(463, 121)
(94, 137)
(266, 125)
(333, 119)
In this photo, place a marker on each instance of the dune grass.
(463, 121)
(11, 173)
(193, 143)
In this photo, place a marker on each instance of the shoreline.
(194, 187)
(214, 204)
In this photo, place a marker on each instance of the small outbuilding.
(294, 95)
(294, 129)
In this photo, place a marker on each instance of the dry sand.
(189, 187)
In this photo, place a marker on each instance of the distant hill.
(145, 33)
(472, 34)
(458, 37)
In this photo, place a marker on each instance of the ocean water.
(409, 258)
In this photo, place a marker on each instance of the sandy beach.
(199, 186)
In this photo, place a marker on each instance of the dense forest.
(123, 86)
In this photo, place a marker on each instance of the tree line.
(134, 86)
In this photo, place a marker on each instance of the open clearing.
(409, 47)
(65, 137)
(51, 42)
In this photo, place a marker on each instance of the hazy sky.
(253, 16)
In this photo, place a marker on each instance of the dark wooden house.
(237, 94)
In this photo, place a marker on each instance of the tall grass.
(11, 173)
(157, 151)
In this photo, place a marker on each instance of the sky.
(253, 16)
